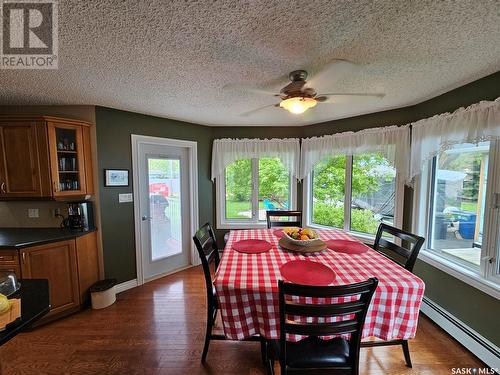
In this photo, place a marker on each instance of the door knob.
(144, 218)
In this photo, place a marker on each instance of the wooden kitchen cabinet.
(9, 262)
(56, 262)
(67, 160)
(44, 157)
(87, 259)
(24, 155)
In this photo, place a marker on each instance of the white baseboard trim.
(481, 347)
(126, 285)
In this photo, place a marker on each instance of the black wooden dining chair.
(206, 244)
(405, 255)
(313, 354)
(294, 218)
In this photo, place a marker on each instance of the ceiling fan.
(299, 95)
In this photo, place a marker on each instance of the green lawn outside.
(469, 206)
(233, 209)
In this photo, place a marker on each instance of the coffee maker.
(80, 216)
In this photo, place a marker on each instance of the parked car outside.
(159, 188)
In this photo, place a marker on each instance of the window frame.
(365, 237)
(485, 278)
(254, 222)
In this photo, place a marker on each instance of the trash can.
(103, 293)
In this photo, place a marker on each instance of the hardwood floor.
(159, 329)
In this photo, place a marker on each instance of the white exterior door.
(163, 208)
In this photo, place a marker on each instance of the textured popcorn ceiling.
(173, 58)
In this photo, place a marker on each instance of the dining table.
(246, 285)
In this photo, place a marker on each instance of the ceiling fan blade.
(345, 97)
(248, 88)
(249, 113)
(331, 73)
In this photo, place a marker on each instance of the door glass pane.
(274, 186)
(165, 207)
(239, 190)
(67, 159)
(328, 188)
(459, 194)
(373, 192)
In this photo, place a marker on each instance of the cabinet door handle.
(24, 257)
(3, 187)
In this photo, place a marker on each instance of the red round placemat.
(278, 233)
(307, 272)
(346, 246)
(252, 246)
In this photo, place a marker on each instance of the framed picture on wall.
(116, 177)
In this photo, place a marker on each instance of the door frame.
(192, 148)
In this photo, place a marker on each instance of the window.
(457, 207)
(365, 184)
(239, 186)
(249, 188)
(459, 201)
(329, 192)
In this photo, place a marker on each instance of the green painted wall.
(478, 310)
(113, 129)
(475, 308)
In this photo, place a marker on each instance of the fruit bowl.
(300, 236)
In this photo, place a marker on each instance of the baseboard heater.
(481, 347)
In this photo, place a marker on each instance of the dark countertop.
(35, 304)
(18, 238)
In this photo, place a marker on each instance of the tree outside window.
(372, 181)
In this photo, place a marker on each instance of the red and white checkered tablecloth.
(247, 287)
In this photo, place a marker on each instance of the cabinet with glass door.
(67, 159)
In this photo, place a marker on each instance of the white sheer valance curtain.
(227, 151)
(476, 123)
(392, 141)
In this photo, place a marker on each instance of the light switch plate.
(33, 213)
(124, 198)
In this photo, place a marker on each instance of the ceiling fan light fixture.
(298, 104)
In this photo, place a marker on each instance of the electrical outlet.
(124, 198)
(33, 213)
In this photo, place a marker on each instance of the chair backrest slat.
(321, 329)
(405, 236)
(404, 256)
(296, 217)
(326, 291)
(334, 317)
(395, 248)
(324, 310)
